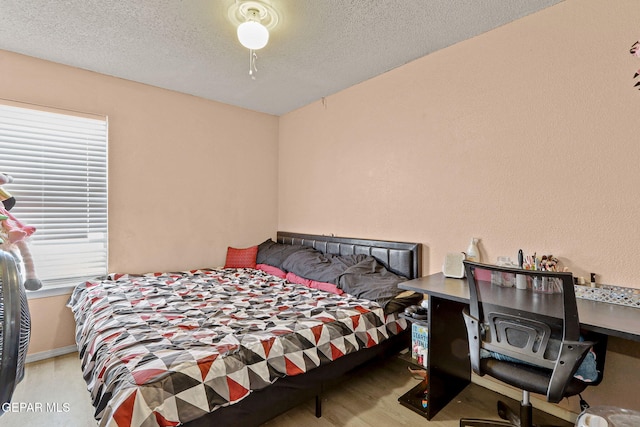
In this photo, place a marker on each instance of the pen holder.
(500, 278)
(521, 281)
(547, 285)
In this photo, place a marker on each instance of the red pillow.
(294, 278)
(323, 286)
(328, 287)
(274, 271)
(241, 258)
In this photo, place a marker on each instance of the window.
(59, 166)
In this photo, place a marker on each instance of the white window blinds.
(59, 166)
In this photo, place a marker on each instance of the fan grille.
(25, 334)
(12, 296)
(1, 315)
(25, 329)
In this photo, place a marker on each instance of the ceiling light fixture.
(254, 19)
(251, 33)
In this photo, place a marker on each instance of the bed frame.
(260, 406)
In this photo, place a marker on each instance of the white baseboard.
(516, 394)
(35, 357)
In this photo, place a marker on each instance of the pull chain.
(252, 64)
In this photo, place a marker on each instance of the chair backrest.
(535, 323)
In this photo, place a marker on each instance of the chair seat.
(527, 377)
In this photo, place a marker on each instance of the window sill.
(50, 292)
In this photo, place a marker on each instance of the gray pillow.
(273, 253)
(318, 266)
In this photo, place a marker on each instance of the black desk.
(448, 365)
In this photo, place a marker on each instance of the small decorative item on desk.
(473, 253)
(521, 279)
(502, 278)
(453, 266)
(544, 263)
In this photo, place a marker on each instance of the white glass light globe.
(253, 35)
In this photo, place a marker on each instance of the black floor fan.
(15, 327)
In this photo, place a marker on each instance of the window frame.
(84, 198)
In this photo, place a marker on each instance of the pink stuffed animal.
(13, 234)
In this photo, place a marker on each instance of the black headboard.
(402, 258)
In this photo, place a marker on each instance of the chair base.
(472, 422)
(509, 417)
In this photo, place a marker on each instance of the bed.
(240, 345)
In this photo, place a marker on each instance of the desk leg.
(448, 365)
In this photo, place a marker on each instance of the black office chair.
(15, 327)
(527, 337)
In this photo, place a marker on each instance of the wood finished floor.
(368, 397)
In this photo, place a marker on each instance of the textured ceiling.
(318, 48)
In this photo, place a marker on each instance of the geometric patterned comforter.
(166, 348)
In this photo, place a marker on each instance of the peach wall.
(167, 152)
(52, 324)
(525, 136)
